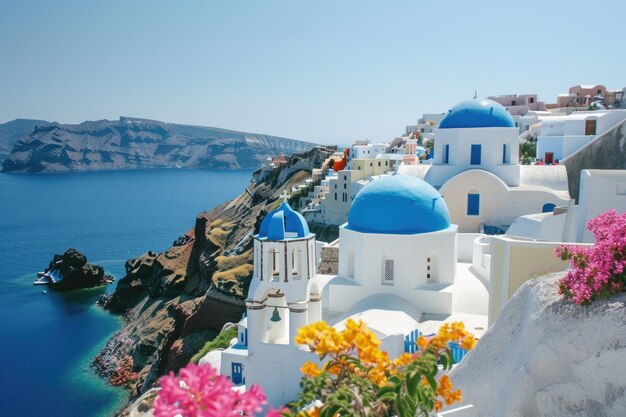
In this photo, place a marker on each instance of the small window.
(388, 271)
(275, 264)
(599, 91)
(476, 151)
(345, 186)
(378, 163)
(532, 100)
(335, 196)
(446, 156)
(548, 208)
(294, 262)
(473, 204)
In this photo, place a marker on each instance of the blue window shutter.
(447, 155)
(548, 208)
(473, 204)
(476, 150)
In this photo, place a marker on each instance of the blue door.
(548, 208)
(473, 204)
(237, 373)
(475, 154)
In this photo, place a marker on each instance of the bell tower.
(284, 269)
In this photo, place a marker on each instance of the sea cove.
(51, 338)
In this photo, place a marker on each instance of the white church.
(477, 171)
(405, 264)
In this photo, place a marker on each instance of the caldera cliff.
(174, 302)
(132, 143)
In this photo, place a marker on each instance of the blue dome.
(477, 113)
(398, 204)
(283, 223)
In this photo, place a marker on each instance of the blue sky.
(327, 71)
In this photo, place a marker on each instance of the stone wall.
(607, 151)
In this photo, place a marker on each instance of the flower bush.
(199, 391)
(360, 380)
(596, 271)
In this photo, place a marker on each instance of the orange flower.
(310, 369)
(404, 359)
(438, 405)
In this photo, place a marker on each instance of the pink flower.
(199, 391)
(599, 270)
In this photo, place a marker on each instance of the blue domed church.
(398, 241)
(477, 171)
(397, 265)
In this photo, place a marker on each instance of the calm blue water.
(49, 340)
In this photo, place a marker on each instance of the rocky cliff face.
(177, 300)
(545, 356)
(139, 143)
(11, 132)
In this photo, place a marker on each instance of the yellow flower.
(468, 342)
(404, 359)
(310, 369)
(309, 335)
(422, 342)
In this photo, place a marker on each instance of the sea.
(49, 339)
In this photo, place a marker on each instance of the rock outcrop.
(71, 271)
(176, 301)
(130, 143)
(545, 356)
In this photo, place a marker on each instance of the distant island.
(131, 143)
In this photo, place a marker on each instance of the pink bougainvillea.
(598, 270)
(199, 391)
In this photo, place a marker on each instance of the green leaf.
(412, 382)
(388, 396)
(402, 411)
(431, 381)
(395, 380)
(444, 361)
(330, 410)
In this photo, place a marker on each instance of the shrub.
(360, 380)
(199, 391)
(222, 341)
(597, 271)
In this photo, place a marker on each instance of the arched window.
(548, 208)
(473, 204)
(274, 264)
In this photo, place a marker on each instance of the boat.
(46, 278)
(43, 278)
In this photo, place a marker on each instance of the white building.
(562, 135)
(403, 267)
(398, 272)
(343, 186)
(476, 169)
(363, 149)
(600, 191)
